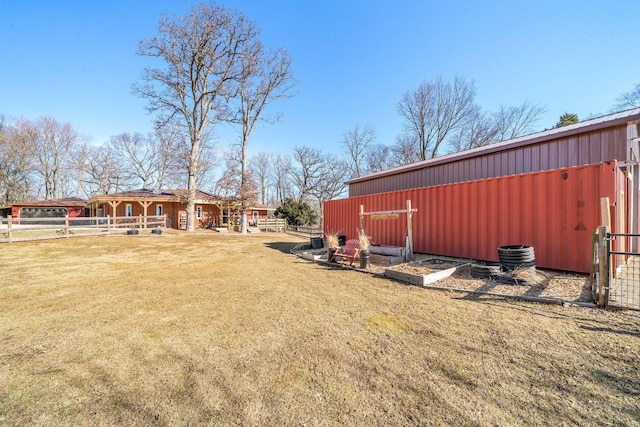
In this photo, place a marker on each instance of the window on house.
(159, 210)
(199, 212)
(225, 216)
(128, 210)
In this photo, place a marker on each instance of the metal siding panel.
(519, 161)
(553, 214)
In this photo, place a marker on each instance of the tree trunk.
(191, 197)
(191, 202)
(243, 186)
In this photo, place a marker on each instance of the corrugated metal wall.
(580, 149)
(554, 211)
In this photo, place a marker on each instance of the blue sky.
(75, 60)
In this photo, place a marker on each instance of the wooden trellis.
(393, 215)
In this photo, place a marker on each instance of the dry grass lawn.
(230, 330)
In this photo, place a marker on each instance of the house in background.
(210, 210)
(54, 208)
(259, 211)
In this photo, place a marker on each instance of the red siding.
(554, 211)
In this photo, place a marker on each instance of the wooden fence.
(310, 231)
(271, 224)
(20, 229)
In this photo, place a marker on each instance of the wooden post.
(164, 221)
(66, 226)
(603, 264)
(108, 224)
(9, 223)
(361, 218)
(409, 231)
(605, 212)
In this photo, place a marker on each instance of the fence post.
(603, 263)
(108, 224)
(164, 218)
(66, 226)
(9, 223)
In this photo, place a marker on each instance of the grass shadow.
(285, 247)
(611, 330)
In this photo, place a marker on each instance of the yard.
(233, 330)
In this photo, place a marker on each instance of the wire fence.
(624, 277)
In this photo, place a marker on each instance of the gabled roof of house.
(608, 120)
(259, 206)
(178, 195)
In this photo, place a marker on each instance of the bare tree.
(75, 183)
(266, 76)
(51, 145)
(202, 52)
(514, 121)
(480, 130)
(234, 183)
(260, 166)
(140, 153)
(329, 183)
(307, 171)
(436, 109)
(15, 165)
(171, 141)
(355, 143)
(629, 99)
(317, 176)
(104, 172)
(379, 157)
(405, 150)
(281, 174)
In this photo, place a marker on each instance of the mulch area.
(556, 285)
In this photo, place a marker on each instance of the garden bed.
(427, 271)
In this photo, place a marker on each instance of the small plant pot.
(365, 259)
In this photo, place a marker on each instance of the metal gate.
(623, 287)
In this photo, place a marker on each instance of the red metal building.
(542, 190)
(54, 208)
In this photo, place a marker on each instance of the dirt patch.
(552, 284)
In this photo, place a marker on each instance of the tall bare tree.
(317, 176)
(15, 165)
(52, 146)
(479, 131)
(260, 166)
(202, 52)
(282, 173)
(405, 150)
(140, 154)
(379, 157)
(171, 141)
(355, 143)
(104, 172)
(516, 120)
(330, 182)
(265, 77)
(434, 110)
(309, 167)
(629, 99)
